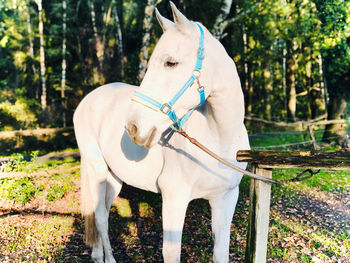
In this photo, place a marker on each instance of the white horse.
(122, 140)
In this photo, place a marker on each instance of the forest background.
(293, 56)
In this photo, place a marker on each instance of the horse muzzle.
(138, 136)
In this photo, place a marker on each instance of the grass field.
(40, 220)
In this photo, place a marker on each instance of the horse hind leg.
(113, 187)
(98, 192)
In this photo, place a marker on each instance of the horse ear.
(179, 19)
(163, 22)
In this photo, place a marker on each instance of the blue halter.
(166, 108)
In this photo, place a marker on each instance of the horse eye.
(171, 64)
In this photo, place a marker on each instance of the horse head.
(174, 62)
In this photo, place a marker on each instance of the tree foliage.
(293, 56)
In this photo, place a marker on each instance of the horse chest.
(188, 167)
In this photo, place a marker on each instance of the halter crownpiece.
(166, 108)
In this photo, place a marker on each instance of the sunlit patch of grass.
(18, 163)
(123, 207)
(145, 210)
(58, 191)
(325, 180)
(45, 238)
(73, 201)
(130, 237)
(20, 190)
(65, 163)
(276, 140)
(51, 234)
(23, 189)
(292, 239)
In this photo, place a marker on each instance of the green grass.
(325, 181)
(307, 239)
(291, 239)
(23, 189)
(57, 191)
(42, 239)
(276, 140)
(280, 141)
(20, 190)
(301, 241)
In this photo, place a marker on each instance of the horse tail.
(87, 208)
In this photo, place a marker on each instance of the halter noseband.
(166, 108)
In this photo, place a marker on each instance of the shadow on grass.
(133, 238)
(138, 238)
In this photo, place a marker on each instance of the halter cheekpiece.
(166, 108)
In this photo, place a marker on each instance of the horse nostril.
(132, 130)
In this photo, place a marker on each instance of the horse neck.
(225, 103)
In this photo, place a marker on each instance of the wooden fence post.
(312, 136)
(259, 210)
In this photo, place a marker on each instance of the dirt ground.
(52, 231)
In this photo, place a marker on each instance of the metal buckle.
(196, 73)
(200, 53)
(166, 107)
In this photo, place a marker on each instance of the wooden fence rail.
(260, 192)
(37, 132)
(314, 122)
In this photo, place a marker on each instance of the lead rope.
(232, 166)
(298, 178)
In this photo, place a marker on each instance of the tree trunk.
(31, 49)
(146, 40)
(119, 37)
(42, 57)
(317, 101)
(64, 64)
(336, 111)
(308, 84)
(99, 47)
(290, 80)
(284, 80)
(219, 26)
(248, 90)
(322, 86)
(268, 91)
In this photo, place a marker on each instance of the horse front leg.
(174, 207)
(223, 207)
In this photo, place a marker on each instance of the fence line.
(286, 119)
(298, 123)
(37, 132)
(289, 144)
(46, 131)
(260, 192)
(281, 145)
(266, 135)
